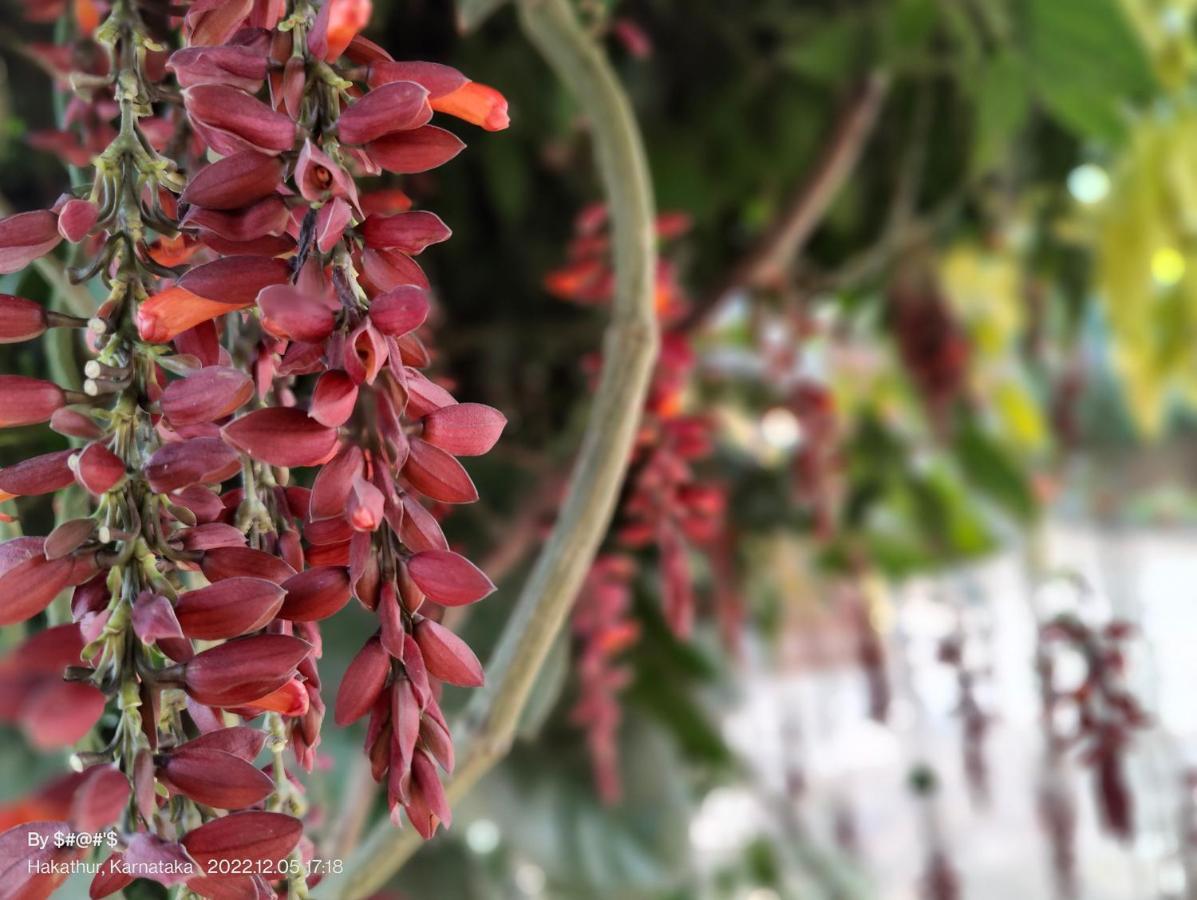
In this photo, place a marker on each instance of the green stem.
(629, 351)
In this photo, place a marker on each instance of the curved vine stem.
(629, 352)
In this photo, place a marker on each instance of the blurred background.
(899, 598)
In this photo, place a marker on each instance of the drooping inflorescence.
(260, 315)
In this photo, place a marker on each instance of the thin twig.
(770, 259)
(629, 352)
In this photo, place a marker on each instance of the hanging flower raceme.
(260, 317)
(665, 505)
(1106, 713)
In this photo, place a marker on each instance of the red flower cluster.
(1105, 712)
(196, 603)
(665, 505)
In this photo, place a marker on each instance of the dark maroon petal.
(98, 469)
(236, 280)
(240, 740)
(331, 221)
(448, 578)
(333, 399)
(267, 218)
(363, 682)
(27, 872)
(436, 78)
(38, 475)
(28, 401)
(68, 537)
(73, 423)
(214, 21)
(315, 594)
(195, 461)
(209, 536)
(100, 798)
(399, 311)
(28, 587)
(464, 429)
(238, 67)
(30, 235)
(420, 529)
(215, 778)
(418, 150)
(206, 395)
(243, 670)
(282, 437)
(330, 490)
(60, 713)
(111, 877)
(254, 836)
(447, 656)
(76, 219)
(428, 806)
(167, 860)
(234, 182)
(401, 106)
(288, 311)
(154, 619)
(20, 319)
(234, 562)
(437, 475)
(229, 608)
(232, 120)
(408, 232)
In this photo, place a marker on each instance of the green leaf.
(1087, 62)
(1002, 105)
(991, 470)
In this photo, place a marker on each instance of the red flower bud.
(282, 437)
(234, 182)
(68, 537)
(195, 461)
(242, 670)
(214, 778)
(231, 120)
(427, 806)
(419, 529)
(290, 312)
(448, 578)
(418, 150)
(28, 401)
(42, 474)
(363, 682)
(76, 219)
(98, 470)
(268, 217)
(100, 798)
(331, 221)
(235, 562)
(318, 176)
(399, 311)
(447, 656)
(365, 507)
(315, 594)
(73, 423)
(229, 608)
(236, 280)
(240, 740)
(214, 21)
(20, 319)
(401, 106)
(436, 78)
(206, 395)
(437, 475)
(154, 621)
(333, 399)
(28, 236)
(255, 836)
(233, 66)
(464, 429)
(409, 232)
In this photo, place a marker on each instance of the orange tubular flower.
(479, 104)
(169, 313)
